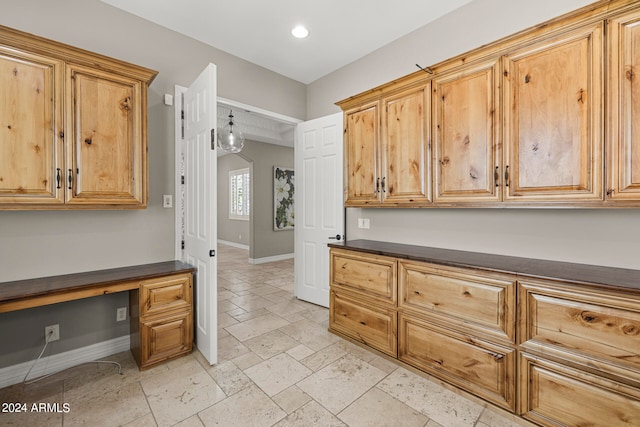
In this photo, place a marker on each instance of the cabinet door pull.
(506, 176)
(70, 178)
(58, 178)
(383, 179)
(496, 177)
(377, 185)
(497, 357)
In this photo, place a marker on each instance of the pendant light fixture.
(231, 140)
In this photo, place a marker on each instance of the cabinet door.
(553, 114)
(623, 123)
(466, 129)
(552, 394)
(478, 366)
(165, 338)
(362, 320)
(405, 148)
(105, 155)
(31, 119)
(361, 179)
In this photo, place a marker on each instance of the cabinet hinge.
(182, 179)
(213, 139)
(182, 124)
(182, 245)
(212, 252)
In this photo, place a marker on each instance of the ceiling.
(259, 31)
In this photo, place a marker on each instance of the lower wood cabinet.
(478, 366)
(553, 394)
(364, 321)
(559, 351)
(162, 323)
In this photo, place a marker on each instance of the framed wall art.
(283, 188)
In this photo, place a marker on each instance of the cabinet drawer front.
(369, 274)
(486, 303)
(482, 368)
(167, 293)
(364, 322)
(576, 324)
(166, 338)
(553, 394)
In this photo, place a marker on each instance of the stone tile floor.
(278, 366)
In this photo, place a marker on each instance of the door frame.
(179, 91)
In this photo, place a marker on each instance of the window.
(239, 195)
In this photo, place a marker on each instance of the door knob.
(336, 237)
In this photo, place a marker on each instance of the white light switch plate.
(167, 201)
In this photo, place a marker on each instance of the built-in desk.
(160, 303)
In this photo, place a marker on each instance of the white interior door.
(319, 210)
(200, 198)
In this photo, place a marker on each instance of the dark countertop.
(584, 274)
(55, 284)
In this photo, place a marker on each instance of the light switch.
(363, 223)
(167, 201)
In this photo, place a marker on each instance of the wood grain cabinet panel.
(595, 329)
(553, 93)
(105, 133)
(370, 275)
(31, 154)
(484, 303)
(485, 369)
(466, 133)
(168, 293)
(364, 321)
(361, 155)
(166, 338)
(405, 147)
(553, 394)
(623, 121)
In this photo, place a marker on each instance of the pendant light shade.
(230, 139)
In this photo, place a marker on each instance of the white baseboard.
(234, 244)
(270, 259)
(59, 362)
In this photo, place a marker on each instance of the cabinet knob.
(88, 141)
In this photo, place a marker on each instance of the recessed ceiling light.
(300, 32)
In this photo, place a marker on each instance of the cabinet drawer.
(482, 368)
(372, 275)
(598, 328)
(555, 395)
(164, 294)
(166, 338)
(363, 321)
(485, 303)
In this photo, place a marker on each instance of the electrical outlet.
(52, 333)
(121, 314)
(167, 201)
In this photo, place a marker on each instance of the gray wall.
(265, 242)
(230, 230)
(605, 237)
(34, 244)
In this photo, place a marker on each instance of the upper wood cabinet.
(361, 136)
(386, 150)
(623, 121)
(74, 127)
(466, 134)
(405, 147)
(553, 114)
(30, 118)
(548, 117)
